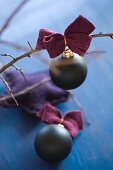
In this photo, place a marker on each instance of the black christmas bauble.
(68, 73)
(53, 143)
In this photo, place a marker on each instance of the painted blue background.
(93, 148)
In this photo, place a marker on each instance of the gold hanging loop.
(67, 53)
(65, 41)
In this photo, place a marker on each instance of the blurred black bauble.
(68, 73)
(53, 143)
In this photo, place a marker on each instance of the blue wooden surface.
(93, 148)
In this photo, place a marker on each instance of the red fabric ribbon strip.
(76, 37)
(72, 120)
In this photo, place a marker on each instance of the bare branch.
(29, 45)
(76, 101)
(17, 68)
(21, 71)
(102, 35)
(14, 60)
(9, 19)
(20, 47)
(14, 45)
(26, 90)
(10, 91)
(95, 52)
(7, 55)
(45, 60)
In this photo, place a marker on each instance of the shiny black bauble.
(53, 143)
(68, 73)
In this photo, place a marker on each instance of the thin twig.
(24, 48)
(29, 45)
(95, 52)
(44, 59)
(20, 47)
(102, 35)
(26, 90)
(9, 19)
(17, 68)
(9, 88)
(27, 54)
(14, 45)
(21, 71)
(76, 101)
(7, 55)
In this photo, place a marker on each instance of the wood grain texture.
(93, 147)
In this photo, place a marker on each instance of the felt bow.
(76, 37)
(72, 120)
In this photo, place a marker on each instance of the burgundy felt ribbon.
(76, 37)
(72, 120)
